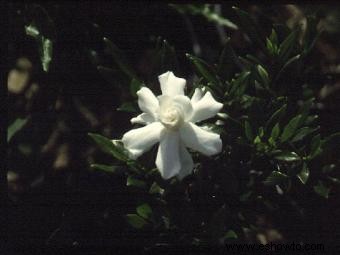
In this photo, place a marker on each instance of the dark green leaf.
(321, 189)
(105, 168)
(290, 128)
(303, 132)
(239, 85)
(275, 132)
(275, 118)
(315, 146)
(156, 189)
(119, 58)
(204, 69)
(144, 211)
(110, 147)
(128, 107)
(230, 235)
(15, 127)
(333, 139)
(287, 156)
(286, 65)
(135, 85)
(135, 221)
(263, 74)
(131, 181)
(248, 131)
(304, 174)
(287, 46)
(275, 178)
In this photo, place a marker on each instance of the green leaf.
(206, 11)
(135, 85)
(275, 178)
(321, 189)
(110, 147)
(276, 117)
(275, 132)
(135, 221)
(156, 189)
(287, 46)
(239, 85)
(204, 69)
(263, 74)
(311, 34)
(288, 156)
(131, 181)
(128, 107)
(273, 37)
(105, 168)
(290, 128)
(144, 211)
(230, 235)
(304, 174)
(315, 146)
(248, 131)
(15, 127)
(303, 132)
(119, 58)
(286, 65)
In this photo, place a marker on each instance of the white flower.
(169, 119)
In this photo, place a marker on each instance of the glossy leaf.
(275, 132)
(304, 174)
(135, 221)
(303, 132)
(287, 46)
(108, 146)
(276, 117)
(287, 156)
(290, 129)
(275, 178)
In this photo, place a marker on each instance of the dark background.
(66, 203)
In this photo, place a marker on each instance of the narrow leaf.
(304, 174)
(275, 178)
(290, 128)
(287, 156)
(15, 127)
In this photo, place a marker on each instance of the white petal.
(168, 159)
(186, 162)
(205, 108)
(147, 101)
(196, 96)
(185, 104)
(143, 118)
(171, 85)
(137, 141)
(200, 140)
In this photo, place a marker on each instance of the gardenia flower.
(170, 120)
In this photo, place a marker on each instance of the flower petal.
(143, 119)
(205, 108)
(196, 96)
(147, 101)
(186, 162)
(185, 104)
(200, 140)
(171, 85)
(137, 141)
(168, 159)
